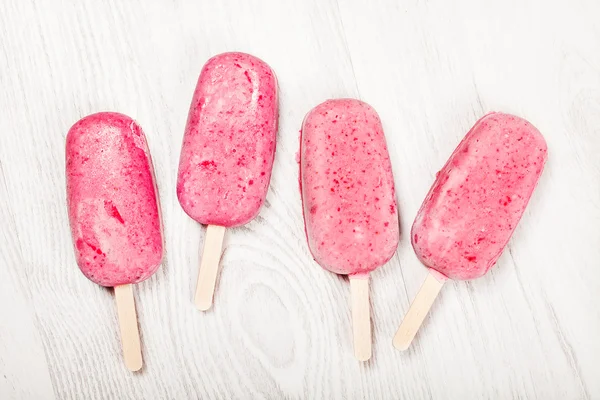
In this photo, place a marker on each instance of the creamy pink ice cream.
(479, 197)
(229, 142)
(112, 200)
(347, 187)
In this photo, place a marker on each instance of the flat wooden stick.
(130, 335)
(209, 266)
(418, 310)
(361, 317)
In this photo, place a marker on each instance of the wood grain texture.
(282, 328)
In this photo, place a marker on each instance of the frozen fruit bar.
(229, 142)
(479, 197)
(349, 205)
(112, 200)
(473, 207)
(227, 153)
(114, 213)
(347, 185)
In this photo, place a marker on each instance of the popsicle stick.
(209, 266)
(130, 335)
(418, 310)
(361, 317)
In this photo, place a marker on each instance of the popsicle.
(114, 212)
(473, 207)
(227, 153)
(348, 199)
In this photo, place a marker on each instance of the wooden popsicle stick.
(209, 266)
(418, 310)
(130, 335)
(361, 317)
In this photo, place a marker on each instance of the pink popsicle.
(476, 202)
(348, 197)
(227, 153)
(113, 207)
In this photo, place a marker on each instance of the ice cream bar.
(113, 208)
(227, 153)
(475, 204)
(112, 200)
(348, 198)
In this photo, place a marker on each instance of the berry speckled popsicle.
(348, 199)
(227, 153)
(114, 212)
(473, 207)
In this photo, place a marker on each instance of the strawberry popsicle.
(473, 207)
(227, 153)
(348, 199)
(114, 212)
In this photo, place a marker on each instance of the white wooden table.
(281, 325)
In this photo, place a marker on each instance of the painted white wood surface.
(281, 326)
